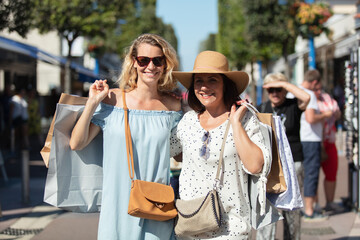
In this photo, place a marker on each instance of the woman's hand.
(99, 90)
(85, 131)
(236, 115)
(249, 153)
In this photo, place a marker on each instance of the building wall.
(47, 75)
(342, 25)
(343, 6)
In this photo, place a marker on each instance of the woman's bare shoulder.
(172, 102)
(114, 97)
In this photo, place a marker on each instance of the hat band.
(213, 68)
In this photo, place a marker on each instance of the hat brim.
(241, 79)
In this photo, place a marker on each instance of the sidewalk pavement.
(39, 221)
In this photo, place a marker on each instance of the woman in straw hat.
(213, 94)
(146, 76)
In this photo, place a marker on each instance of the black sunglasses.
(144, 61)
(271, 90)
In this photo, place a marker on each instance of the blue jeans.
(312, 159)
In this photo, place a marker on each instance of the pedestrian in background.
(19, 120)
(153, 113)
(289, 110)
(329, 162)
(213, 94)
(34, 123)
(311, 132)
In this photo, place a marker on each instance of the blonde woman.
(146, 77)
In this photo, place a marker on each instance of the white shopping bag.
(290, 199)
(74, 179)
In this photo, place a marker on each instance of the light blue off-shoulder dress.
(150, 132)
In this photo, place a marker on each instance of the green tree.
(271, 26)
(110, 25)
(209, 43)
(74, 18)
(232, 39)
(260, 30)
(16, 16)
(143, 19)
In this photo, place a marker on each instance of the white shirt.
(198, 174)
(19, 107)
(310, 132)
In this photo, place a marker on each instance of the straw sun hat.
(213, 62)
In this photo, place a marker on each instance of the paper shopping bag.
(291, 198)
(64, 99)
(275, 180)
(74, 178)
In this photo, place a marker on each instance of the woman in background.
(329, 163)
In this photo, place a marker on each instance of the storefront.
(351, 123)
(21, 64)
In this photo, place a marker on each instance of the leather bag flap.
(156, 192)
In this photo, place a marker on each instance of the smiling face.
(150, 73)
(209, 89)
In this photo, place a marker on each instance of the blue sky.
(192, 20)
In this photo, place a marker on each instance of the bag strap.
(251, 108)
(217, 179)
(129, 148)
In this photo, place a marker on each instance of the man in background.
(311, 131)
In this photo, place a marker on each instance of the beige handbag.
(148, 200)
(201, 214)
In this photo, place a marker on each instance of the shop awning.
(85, 74)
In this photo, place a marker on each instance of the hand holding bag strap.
(129, 148)
(264, 175)
(217, 179)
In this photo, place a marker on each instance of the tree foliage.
(209, 43)
(110, 25)
(16, 16)
(257, 30)
(271, 25)
(74, 18)
(143, 19)
(232, 39)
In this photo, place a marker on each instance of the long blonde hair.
(128, 77)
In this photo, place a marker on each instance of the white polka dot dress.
(199, 170)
